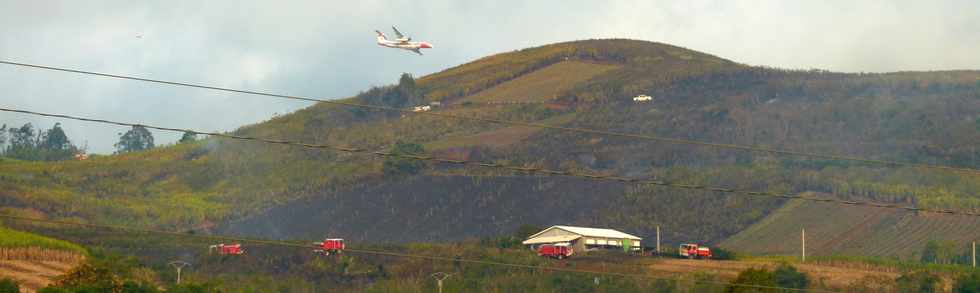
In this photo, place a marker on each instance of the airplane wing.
(398, 33)
(416, 50)
(401, 37)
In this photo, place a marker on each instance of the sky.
(325, 49)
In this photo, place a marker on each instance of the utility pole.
(803, 240)
(974, 253)
(439, 276)
(658, 240)
(179, 265)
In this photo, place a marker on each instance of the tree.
(22, 137)
(403, 166)
(136, 139)
(3, 137)
(754, 277)
(89, 277)
(8, 285)
(923, 282)
(787, 276)
(188, 137)
(940, 252)
(968, 283)
(55, 139)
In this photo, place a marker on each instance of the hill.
(853, 230)
(217, 184)
(33, 260)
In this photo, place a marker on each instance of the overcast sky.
(326, 49)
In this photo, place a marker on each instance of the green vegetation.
(26, 143)
(188, 137)
(544, 84)
(394, 166)
(925, 117)
(136, 139)
(754, 277)
(788, 277)
(785, 276)
(9, 286)
(968, 283)
(922, 281)
(834, 230)
(10, 238)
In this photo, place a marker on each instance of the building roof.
(551, 239)
(591, 232)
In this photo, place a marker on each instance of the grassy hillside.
(542, 84)
(10, 238)
(852, 230)
(927, 117)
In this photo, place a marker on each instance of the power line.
(380, 252)
(531, 170)
(748, 148)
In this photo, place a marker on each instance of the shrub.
(968, 283)
(9, 286)
(787, 276)
(404, 166)
(924, 282)
(754, 277)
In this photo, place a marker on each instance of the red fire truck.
(692, 251)
(227, 249)
(559, 251)
(329, 246)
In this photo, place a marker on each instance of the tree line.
(30, 143)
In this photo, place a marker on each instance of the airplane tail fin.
(381, 36)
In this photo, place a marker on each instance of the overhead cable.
(750, 148)
(527, 169)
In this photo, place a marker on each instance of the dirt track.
(32, 275)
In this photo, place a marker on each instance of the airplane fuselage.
(402, 42)
(411, 46)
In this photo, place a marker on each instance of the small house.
(585, 239)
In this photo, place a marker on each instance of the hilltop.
(272, 190)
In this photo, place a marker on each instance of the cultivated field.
(834, 229)
(542, 84)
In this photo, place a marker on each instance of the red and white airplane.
(402, 42)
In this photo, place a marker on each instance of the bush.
(787, 276)
(968, 283)
(722, 254)
(923, 282)
(404, 166)
(754, 277)
(9, 286)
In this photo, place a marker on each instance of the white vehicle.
(402, 42)
(642, 98)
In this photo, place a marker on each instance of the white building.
(642, 98)
(585, 239)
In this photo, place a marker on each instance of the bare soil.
(33, 275)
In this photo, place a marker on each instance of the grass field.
(16, 239)
(543, 84)
(833, 229)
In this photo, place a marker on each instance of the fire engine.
(559, 251)
(329, 246)
(694, 251)
(227, 249)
